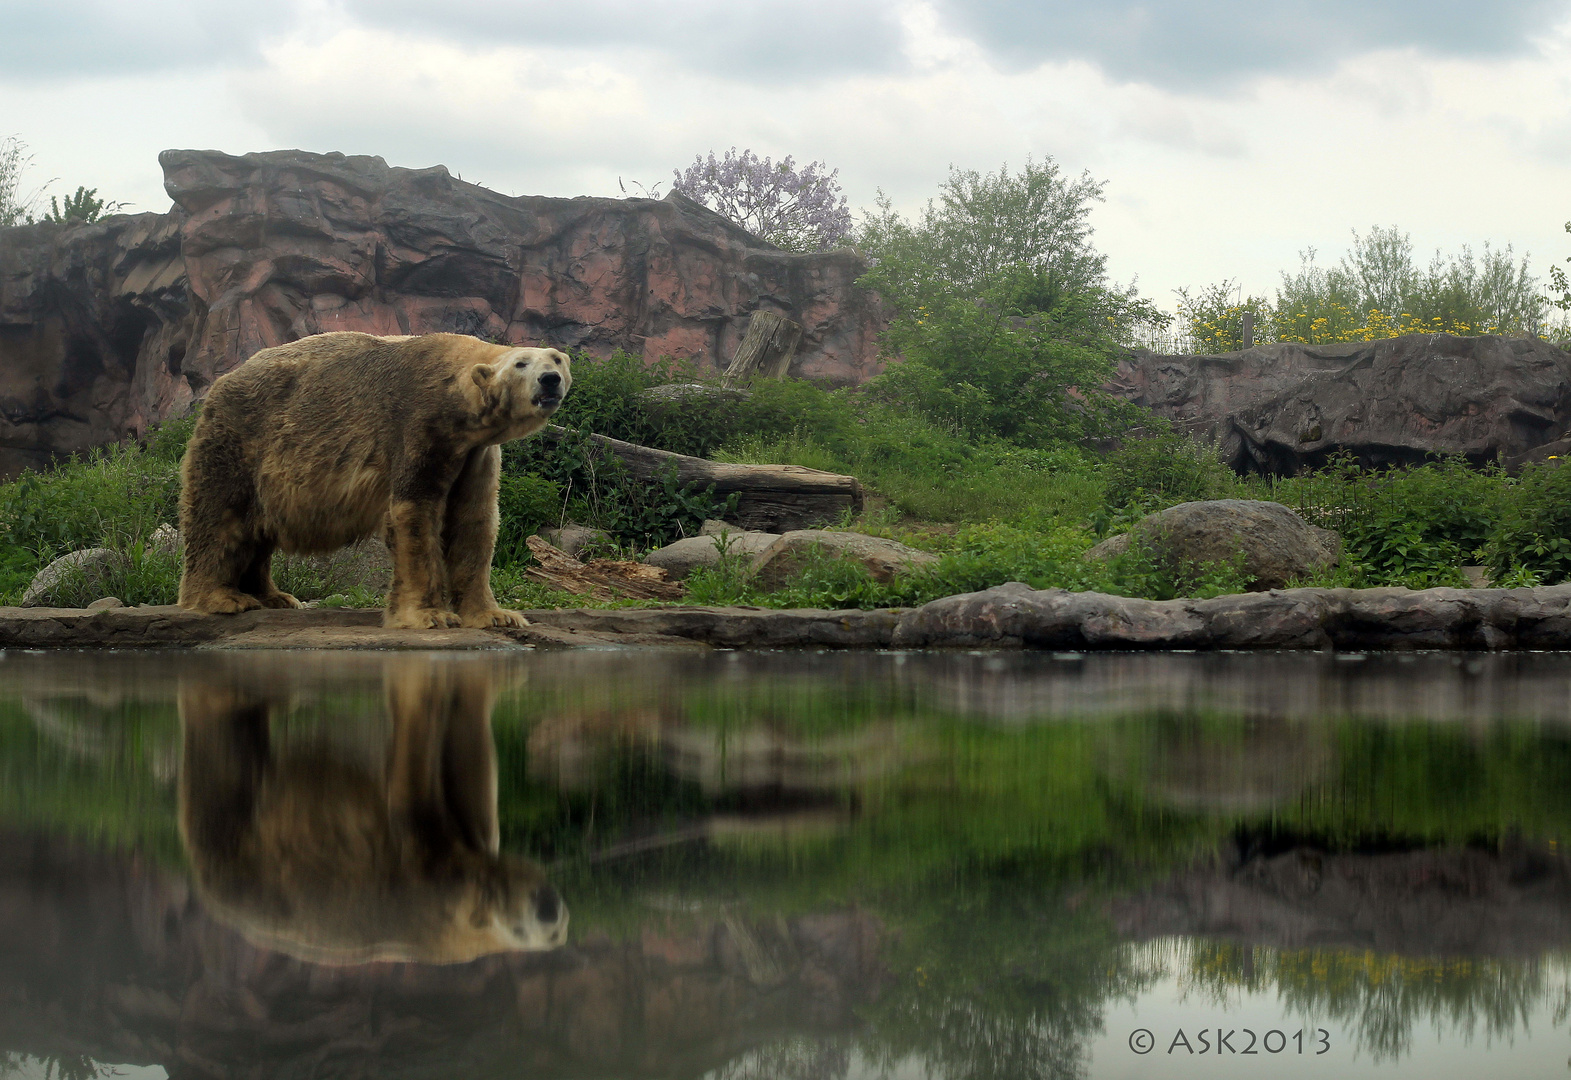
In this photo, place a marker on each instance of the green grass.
(993, 510)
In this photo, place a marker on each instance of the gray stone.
(686, 555)
(1278, 408)
(166, 540)
(575, 539)
(1277, 545)
(87, 568)
(883, 558)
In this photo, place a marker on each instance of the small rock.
(104, 603)
(1277, 544)
(89, 567)
(883, 558)
(165, 539)
(574, 540)
(686, 555)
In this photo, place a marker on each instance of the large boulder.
(112, 326)
(682, 557)
(1280, 408)
(1277, 545)
(787, 555)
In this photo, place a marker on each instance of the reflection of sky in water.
(1438, 1041)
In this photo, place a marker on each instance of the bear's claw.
(495, 617)
(421, 619)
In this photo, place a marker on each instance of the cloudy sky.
(1232, 133)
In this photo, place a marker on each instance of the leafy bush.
(599, 491)
(525, 504)
(115, 497)
(1005, 318)
(1408, 526)
(1534, 533)
(983, 556)
(1165, 468)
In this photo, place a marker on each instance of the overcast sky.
(1232, 133)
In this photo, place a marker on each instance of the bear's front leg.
(469, 539)
(417, 599)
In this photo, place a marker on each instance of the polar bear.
(313, 445)
(337, 853)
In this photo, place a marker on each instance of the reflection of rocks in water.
(566, 747)
(104, 955)
(1442, 902)
(306, 850)
(1248, 767)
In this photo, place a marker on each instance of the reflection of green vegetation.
(103, 774)
(1381, 997)
(984, 849)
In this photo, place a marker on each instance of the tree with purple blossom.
(796, 209)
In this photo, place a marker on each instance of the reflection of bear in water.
(309, 853)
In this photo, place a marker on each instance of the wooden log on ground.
(770, 498)
(766, 349)
(603, 579)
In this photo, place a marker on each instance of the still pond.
(648, 864)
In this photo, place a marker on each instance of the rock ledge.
(1011, 616)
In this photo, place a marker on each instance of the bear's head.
(523, 387)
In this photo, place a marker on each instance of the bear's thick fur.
(337, 852)
(309, 446)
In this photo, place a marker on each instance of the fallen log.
(770, 498)
(603, 579)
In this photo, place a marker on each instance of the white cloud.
(1201, 187)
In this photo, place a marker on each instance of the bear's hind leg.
(257, 580)
(217, 504)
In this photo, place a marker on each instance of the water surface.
(728, 865)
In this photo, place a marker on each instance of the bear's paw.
(420, 619)
(495, 617)
(278, 599)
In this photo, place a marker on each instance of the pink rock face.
(281, 245)
(108, 328)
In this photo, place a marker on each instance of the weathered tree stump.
(770, 498)
(766, 349)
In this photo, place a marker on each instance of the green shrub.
(1407, 526)
(599, 490)
(114, 497)
(1534, 533)
(984, 556)
(525, 504)
(1152, 472)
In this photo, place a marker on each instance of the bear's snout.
(550, 393)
